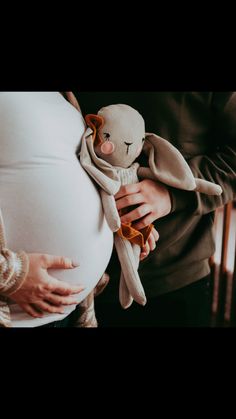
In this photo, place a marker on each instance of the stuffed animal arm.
(110, 210)
(112, 142)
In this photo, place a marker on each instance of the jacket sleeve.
(219, 166)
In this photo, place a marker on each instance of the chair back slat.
(223, 266)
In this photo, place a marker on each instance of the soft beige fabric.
(125, 127)
(167, 163)
(124, 295)
(208, 188)
(169, 167)
(102, 172)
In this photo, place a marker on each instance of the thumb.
(59, 262)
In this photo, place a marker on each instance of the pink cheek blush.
(107, 148)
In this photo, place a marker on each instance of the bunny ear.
(167, 163)
(95, 122)
(101, 171)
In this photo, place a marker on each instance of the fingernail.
(75, 263)
(79, 288)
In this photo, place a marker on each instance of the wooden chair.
(223, 265)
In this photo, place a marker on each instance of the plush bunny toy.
(112, 142)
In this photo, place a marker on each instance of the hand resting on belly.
(41, 292)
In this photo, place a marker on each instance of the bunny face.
(121, 136)
(116, 136)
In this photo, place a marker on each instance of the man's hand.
(41, 292)
(153, 200)
(150, 244)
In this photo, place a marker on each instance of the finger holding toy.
(150, 244)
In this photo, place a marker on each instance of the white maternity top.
(49, 204)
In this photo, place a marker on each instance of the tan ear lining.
(95, 122)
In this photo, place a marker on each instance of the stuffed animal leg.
(125, 297)
(128, 264)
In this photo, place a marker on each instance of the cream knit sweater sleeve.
(13, 271)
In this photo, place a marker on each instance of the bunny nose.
(128, 145)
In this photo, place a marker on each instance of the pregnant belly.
(57, 210)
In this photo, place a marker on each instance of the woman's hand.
(41, 292)
(153, 200)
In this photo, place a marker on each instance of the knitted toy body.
(128, 244)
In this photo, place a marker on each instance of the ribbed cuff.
(182, 200)
(5, 317)
(19, 275)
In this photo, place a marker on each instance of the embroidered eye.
(143, 140)
(106, 135)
